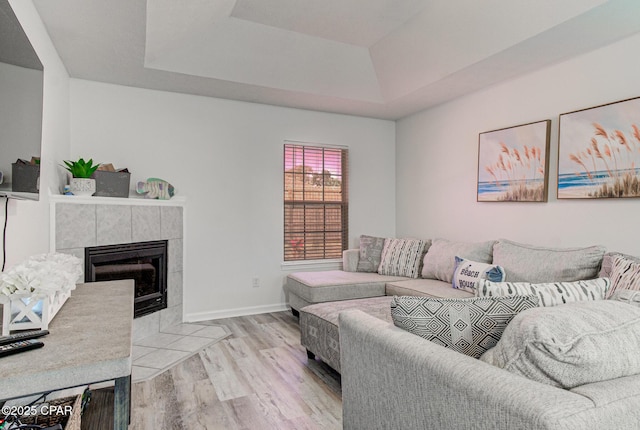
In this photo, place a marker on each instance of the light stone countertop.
(90, 341)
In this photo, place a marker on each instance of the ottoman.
(319, 332)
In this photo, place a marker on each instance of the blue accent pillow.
(467, 274)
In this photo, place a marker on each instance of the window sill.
(333, 264)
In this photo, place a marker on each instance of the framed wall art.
(599, 152)
(513, 163)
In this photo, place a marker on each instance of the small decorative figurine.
(155, 188)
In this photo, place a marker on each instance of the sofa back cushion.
(402, 257)
(551, 293)
(571, 345)
(469, 326)
(528, 263)
(440, 259)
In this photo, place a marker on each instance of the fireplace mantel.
(132, 200)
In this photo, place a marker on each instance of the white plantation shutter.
(315, 202)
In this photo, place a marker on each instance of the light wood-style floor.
(257, 378)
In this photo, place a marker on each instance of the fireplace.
(144, 262)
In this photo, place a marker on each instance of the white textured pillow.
(528, 263)
(467, 274)
(572, 345)
(401, 257)
(550, 294)
(440, 259)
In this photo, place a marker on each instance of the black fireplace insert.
(144, 262)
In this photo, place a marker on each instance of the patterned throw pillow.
(370, 253)
(467, 274)
(470, 326)
(625, 274)
(401, 257)
(550, 294)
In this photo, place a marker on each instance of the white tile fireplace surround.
(80, 222)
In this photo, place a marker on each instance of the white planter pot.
(82, 186)
(23, 312)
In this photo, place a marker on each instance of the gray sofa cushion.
(571, 345)
(370, 253)
(439, 261)
(469, 326)
(330, 285)
(425, 288)
(551, 293)
(528, 263)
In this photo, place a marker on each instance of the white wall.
(437, 156)
(28, 221)
(226, 157)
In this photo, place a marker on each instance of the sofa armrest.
(350, 258)
(395, 379)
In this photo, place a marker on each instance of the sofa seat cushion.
(571, 345)
(331, 285)
(425, 288)
(319, 325)
(537, 264)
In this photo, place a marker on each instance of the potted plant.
(81, 183)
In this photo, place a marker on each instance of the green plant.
(80, 168)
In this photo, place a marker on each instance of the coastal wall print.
(513, 163)
(599, 152)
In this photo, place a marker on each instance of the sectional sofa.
(392, 378)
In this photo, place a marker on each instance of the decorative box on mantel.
(23, 311)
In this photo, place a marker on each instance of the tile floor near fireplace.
(156, 353)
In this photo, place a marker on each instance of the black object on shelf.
(21, 346)
(24, 335)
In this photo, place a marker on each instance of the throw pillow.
(470, 326)
(467, 274)
(528, 263)
(370, 253)
(607, 262)
(625, 274)
(571, 345)
(627, 296)
(401, 257)
(550, 294)
(439, 260)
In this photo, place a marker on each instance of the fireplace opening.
(144, 262)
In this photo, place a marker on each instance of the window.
(315, 202)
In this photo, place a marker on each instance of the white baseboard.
(238, 312)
